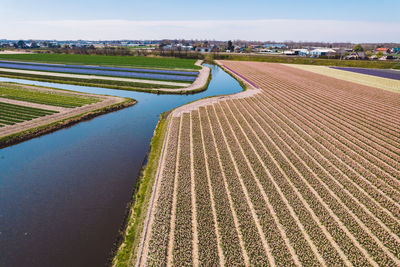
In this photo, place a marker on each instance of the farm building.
(276, 46)
(395, 50)
(383, 50)
(301, 52)
(289, 53)
(203, 49)
(356, 55)
(322, 52)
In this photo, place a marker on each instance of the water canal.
(63, 196)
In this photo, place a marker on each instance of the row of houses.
(345, 53)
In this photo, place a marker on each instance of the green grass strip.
(43, 97)
(131, 61)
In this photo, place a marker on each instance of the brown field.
(306, 172)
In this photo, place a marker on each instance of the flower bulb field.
(304, 172)
(98, 71)
(146, 74)
(355, 77)
(28, 111)
(390, 74)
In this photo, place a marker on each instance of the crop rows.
(11, 114)
(391, 74)
(369, 80)
(136, 61)
(304, 173)
(190, 73)
(43, 97)
(113, 73)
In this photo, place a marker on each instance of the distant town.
(348, 51)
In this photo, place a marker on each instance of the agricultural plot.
(306, 172)
(359, 78)
(390, 74)
(156, 80)
(131, 61)
(11, 114)
(190, 73)
(27, 111)
(99, 72)
(45, 97)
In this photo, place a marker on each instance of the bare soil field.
(304, 172)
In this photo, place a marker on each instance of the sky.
(258, 20)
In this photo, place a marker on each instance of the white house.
(301, 52)
(322, 52)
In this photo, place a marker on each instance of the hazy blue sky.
(324, 20)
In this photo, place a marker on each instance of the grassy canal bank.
(131, 235)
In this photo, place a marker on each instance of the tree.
(358, 48)
(21, 44)
(379, 54)
(230, 45)
(34, 45)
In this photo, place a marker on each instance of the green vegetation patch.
(11, 114)
(51, 98)
(132, 61)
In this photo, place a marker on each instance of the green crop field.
(132, 61)
(11, 114)
(22, 93)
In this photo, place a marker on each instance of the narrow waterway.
(63, 196)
